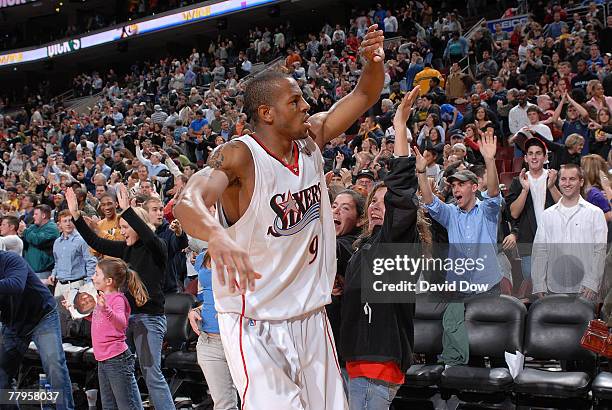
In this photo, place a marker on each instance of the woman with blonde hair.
(598, 99)
(596, 189)
(146, 254)
(570, 153)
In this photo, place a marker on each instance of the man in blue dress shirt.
(472, 235)
(74, 263)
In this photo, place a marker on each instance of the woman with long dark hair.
(146, 254)
(377, 345)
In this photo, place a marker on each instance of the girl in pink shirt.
(109, 321)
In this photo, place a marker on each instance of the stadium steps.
(81, 105)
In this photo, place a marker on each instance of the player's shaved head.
(263, 90)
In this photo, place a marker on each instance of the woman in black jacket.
(146, 254)
(377, 338)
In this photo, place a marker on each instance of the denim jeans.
(371, 394)
(211, 358)
(199, 155)
(48, 339)
(145, 336)
(526, 266)
(118, 388)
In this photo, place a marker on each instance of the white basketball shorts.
(285, 364)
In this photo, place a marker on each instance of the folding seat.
(602, 390)
(505, 153)
(495, 325)
(602, 385)
(555, 326)
(179, 360)
(517, 164)
(422, 379)
(507, 177)
(428, 343)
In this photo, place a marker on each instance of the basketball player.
(274, 224)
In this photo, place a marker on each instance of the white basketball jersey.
(289, 235)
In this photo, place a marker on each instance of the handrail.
(267, 67)
(61, 97)
(468, 34)
(389, 42)
(78, 104)
(76, 100)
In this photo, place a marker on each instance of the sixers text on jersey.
(295, 211)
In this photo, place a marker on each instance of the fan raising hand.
(488, 145)
(73, 203)
(123, 198)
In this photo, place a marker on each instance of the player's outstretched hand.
(371, 47)
(229, 256)
(195, 317)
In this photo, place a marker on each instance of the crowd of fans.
(156, 124)
(543, 90)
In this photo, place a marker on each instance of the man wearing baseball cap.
(472, 234)
(529, 195)
(365, 178)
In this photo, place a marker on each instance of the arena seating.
(602, 390)
(495, 325)
(427, 342)
(180, 359)
(555, 325)
(423, 378)
(557, 368)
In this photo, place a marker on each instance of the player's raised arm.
(328, 125)
(225, 167)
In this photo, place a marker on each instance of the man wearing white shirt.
(390, 24)
(517, 118)
(569, 248)
(390, 133)
(246, 66)
(9, 239)
(535, 125)
(339, 34)
(154, 165)
(85, 143)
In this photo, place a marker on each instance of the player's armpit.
(226, 167)
(230, 158)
